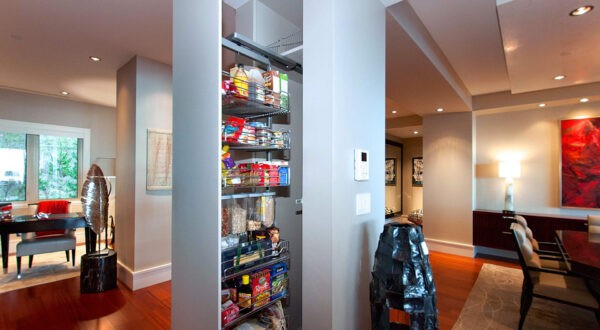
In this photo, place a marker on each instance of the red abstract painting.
(580, 163)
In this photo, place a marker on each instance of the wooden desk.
(29, 223)
(584, 256)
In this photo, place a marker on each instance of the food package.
(265, 210)
(237, 217)
(229, 311)
(261, 287)
(272, 88)
(232, 129)
(239, 76)
(285, 100)
(225, 221)
(256, 84)
(279, 280)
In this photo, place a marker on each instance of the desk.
(584, 255)
(29, 223)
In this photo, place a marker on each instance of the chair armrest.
(548, 270)
(549, 253)
(552, 257)
(548, 243)
(555, 271)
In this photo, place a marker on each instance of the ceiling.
(461, 55)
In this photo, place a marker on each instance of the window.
(41, 161)
(57, 167)
(12, 166)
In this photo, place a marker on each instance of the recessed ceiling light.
(64, 93)
(541, 105)
(560, 77)
(581, 10)
(584, 99)
(394, 111)
(415, 132)
(439, 109)
(95, 59)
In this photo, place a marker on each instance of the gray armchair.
(47, 241)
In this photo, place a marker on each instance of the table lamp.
(509, 169)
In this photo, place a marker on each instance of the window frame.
(12, 126)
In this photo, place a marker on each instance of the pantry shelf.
(239, 107)
(253, 148)
(249, 314)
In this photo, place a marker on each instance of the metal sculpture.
(94, 199)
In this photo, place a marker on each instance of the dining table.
(582, 252)
(33, 223)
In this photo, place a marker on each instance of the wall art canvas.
(417, 172)
(390, 171)
(159, 164)
(580, 163)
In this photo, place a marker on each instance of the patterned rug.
(495, 299)
(46, 268)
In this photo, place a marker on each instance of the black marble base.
(98, 271)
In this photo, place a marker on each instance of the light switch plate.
(363, 203)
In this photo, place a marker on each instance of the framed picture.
(580, 162)
(390, 171)
(159, 161)
(417, 171)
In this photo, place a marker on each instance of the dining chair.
(47, 241)
(593, 224)
(548, 258)
(556, 285)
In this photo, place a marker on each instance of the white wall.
(35, 108)
(144, 101)
(343, 109)
(534, 136)
(261, 24)
(448, 182)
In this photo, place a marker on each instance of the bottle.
(245, 293)
(240, 80)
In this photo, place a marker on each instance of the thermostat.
(361, 165)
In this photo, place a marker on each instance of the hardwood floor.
(59, 305)
(454, 277)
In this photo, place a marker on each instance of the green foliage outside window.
(57, 167)
(12, 166)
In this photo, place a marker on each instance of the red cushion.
(52, 207)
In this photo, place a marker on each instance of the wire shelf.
(255, 178)
(252, 101)
(269, 257)
(242, 317)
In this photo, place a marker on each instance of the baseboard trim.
(143, 278)
(486, 251)
(460, 249)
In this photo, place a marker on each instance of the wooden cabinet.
(493, 231)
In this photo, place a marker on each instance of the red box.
(229, 311)
(261, 287)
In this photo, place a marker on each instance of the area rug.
(494, 303)
(46, 268)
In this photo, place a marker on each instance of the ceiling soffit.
(418, 76)
(541, 41)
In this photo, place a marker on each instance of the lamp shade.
(509, 169)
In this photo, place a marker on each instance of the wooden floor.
(59, 305)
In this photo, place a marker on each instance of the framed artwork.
(390, 171)
(580, 163)
(417, 171)
(159, 161)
